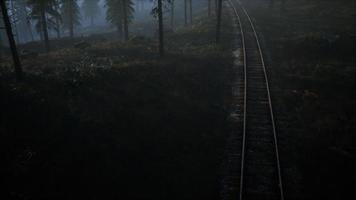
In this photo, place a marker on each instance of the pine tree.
(172, 13)
(120, 14)
(160, 27)
(91, 9)
(191, 11)
(41, 10)
(185, 13)
(209, 8)
(70, 15)
(218, 24)
(10, 35)
(57, 20)
(158, 12)
(188, 3)
(24, 24)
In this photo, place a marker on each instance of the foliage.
(115, 13)
(46, 6)
(166, 6)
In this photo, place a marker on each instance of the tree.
(51, 22)
(185, 13)
(218, 24)
(7, 23)
(216, 6)
(70, 15)
(57, 19)
(172, 14)
(158, 12)
(190, 11)
(40, 11)
(19, 17)
(160, 28)
(120, 14)
(209, 8)
(13, 17)
(186, 2)
(125, 19)
(25, 29)
(91, 9)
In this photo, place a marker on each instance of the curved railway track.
(254, 170)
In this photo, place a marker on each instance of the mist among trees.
(177, 99)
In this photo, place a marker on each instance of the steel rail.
(245, 103)
(270, 105)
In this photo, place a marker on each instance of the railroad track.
(253, 166)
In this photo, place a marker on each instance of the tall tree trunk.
(58, 28)
(172, 14)
(126, 26)
(160, 28)
(58, 23)
(71, 22)
(119, 30)
(25, 20)
(1, 48)
(44, 30)
(15, 56)
(191, 12)
(218, 24)
(41, 33)
(209, 8)
(14, 15)
(185, 13)
(216, 6)
(30, 29)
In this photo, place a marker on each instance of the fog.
(177, 99)
(142, 13)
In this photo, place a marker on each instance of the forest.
(177, 99)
